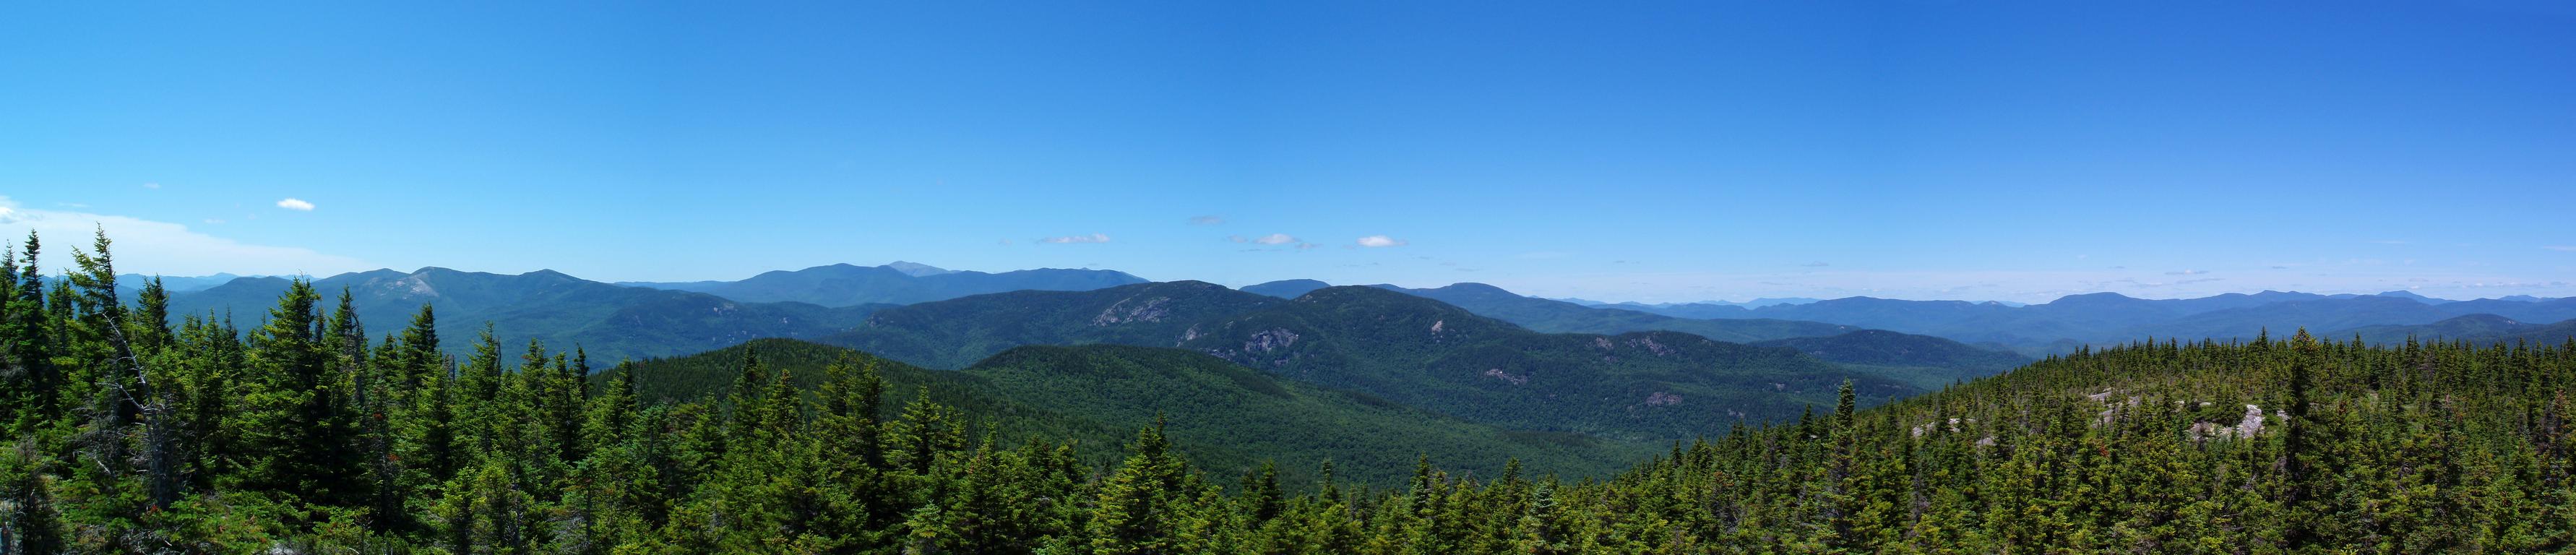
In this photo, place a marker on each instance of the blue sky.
(1660, 152)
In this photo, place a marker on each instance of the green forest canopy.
(304, 433)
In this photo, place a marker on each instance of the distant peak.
(1478, 287)
(916, 269)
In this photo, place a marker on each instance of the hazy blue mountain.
(2110, 318)
(1707, 309)
(1701, 311)
(1286, 288)
(841, 285)
(1554, 316)
(2532, 310)
(1932, 317)
(2404, 294)
(174, 284)
(2479, 329)
(916, 269)
(608, 321)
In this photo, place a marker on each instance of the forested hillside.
(303, 435)
(1400, 347)
(1226, 417)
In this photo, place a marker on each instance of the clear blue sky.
(1652, 152)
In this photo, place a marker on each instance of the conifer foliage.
(300, 433)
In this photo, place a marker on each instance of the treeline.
(302, 434)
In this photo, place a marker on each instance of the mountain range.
(607, 321)
(2059, 326)
(823, 300)
(841, 285)
(2474, 329)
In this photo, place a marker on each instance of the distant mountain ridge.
(841, 285)
(2111, 318)
(175, 284)
(1554, 316)
(2476, 329)
(607, 321)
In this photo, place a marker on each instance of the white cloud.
(1380, 241)
(1274, 239)
(152, 247)
(2187, 273)
(151, 185)
(1092, 238)
(1206, 220)
(295, 204)
(2561, 248)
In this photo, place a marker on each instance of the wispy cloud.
(151, 185)
(295, 204)
(1068, 239)
(1274, 239)
(1380, 241)
(2561, 248)
(2186, 272)
(154, 247)
(1206, 220)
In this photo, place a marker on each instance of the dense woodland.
(301, 432)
